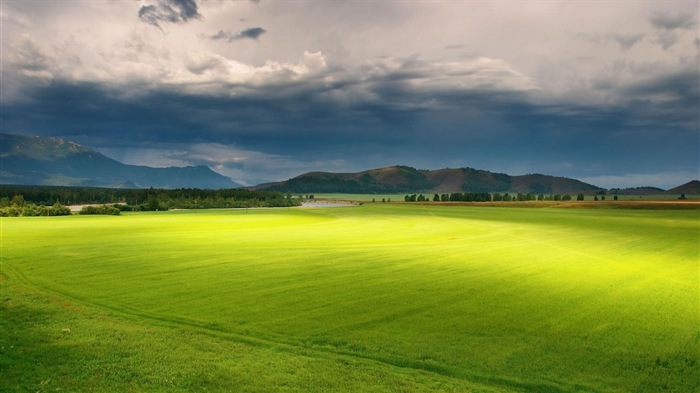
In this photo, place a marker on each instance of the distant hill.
(403, 179)
(689, 188)
(648, 190)
(33, 160)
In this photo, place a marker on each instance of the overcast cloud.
(263, 91)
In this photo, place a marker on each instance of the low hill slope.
(395, 179)
(689, 188)
(544, 184)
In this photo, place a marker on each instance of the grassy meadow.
(378, 297)
(400, 197)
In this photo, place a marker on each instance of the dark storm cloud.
(679, 106)
(168, 116)
(188, 8)
(666, 21)
(170, 11)
(251, 33)
(683, 86)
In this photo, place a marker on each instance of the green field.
(379, 297)
(400, 197)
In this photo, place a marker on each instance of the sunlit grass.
(435, 297)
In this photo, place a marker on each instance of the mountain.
(32, 160)
(403, 179)
(689, 188)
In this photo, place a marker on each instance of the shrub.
(59, 210)
(103, 209)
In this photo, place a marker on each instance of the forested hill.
(691, 187)
(402, 179)
(32, 160)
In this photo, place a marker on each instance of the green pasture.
(364, 197)
(400, 197)
(377, 297)
(650, 197)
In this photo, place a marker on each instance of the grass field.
(373, 298)
(400, 197)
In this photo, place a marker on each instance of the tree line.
(18, 206)
(140, 199)
(488, 197)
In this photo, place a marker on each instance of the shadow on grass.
(47, 345)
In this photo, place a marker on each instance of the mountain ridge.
(33, 160)
(691, 187)
(402, 179)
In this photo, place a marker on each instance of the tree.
(18, 200)
(615, 197)
(151, 204)
(579, 197)
(566, 197)
(436, 198)
(682, 196)
(58, 210)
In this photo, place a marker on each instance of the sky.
(607, 92)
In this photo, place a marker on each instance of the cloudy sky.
(603, 91)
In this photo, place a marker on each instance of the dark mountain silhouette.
(33, 160)
(689, 188)
(403, 179)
